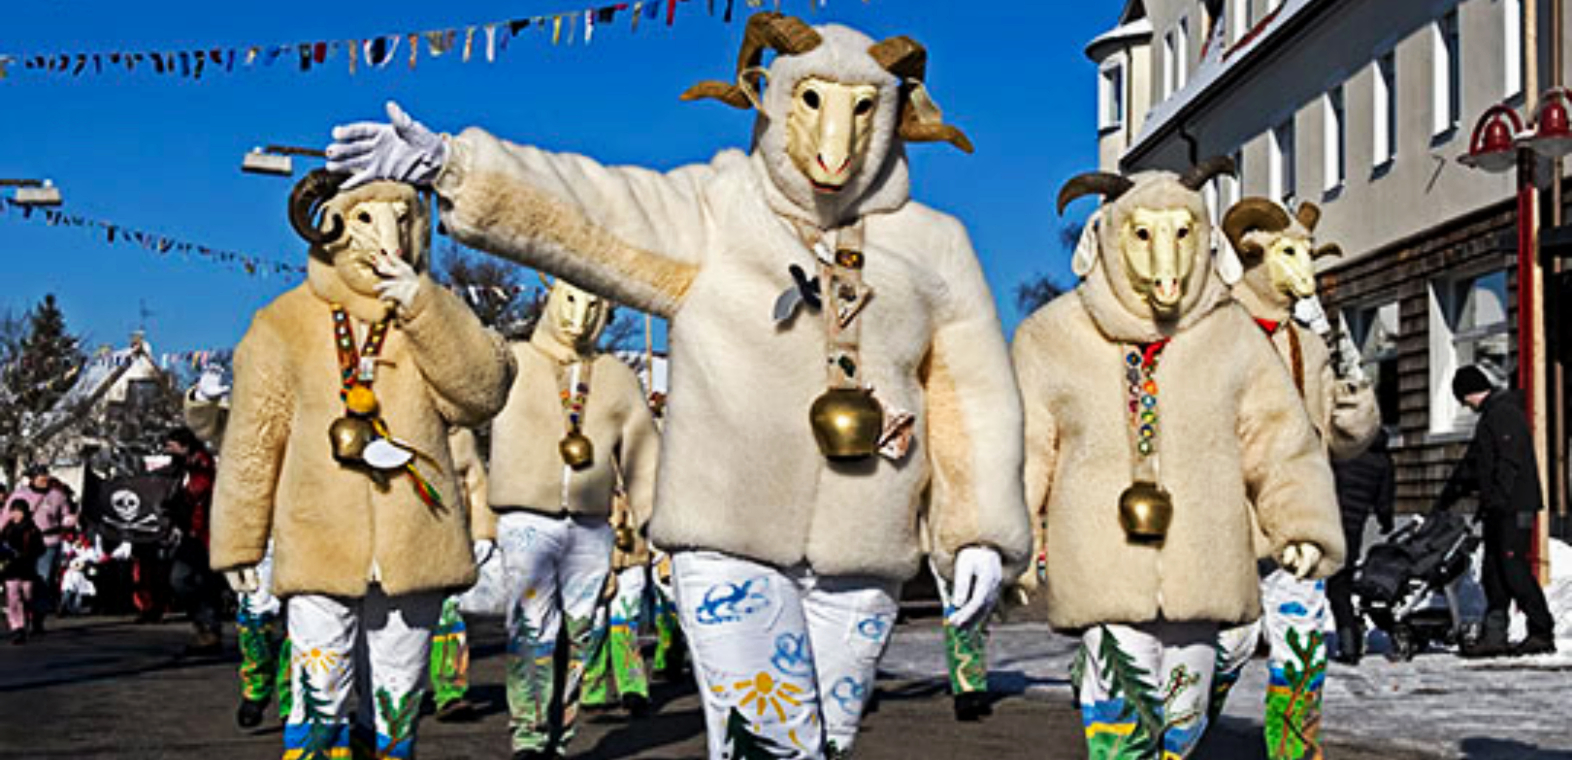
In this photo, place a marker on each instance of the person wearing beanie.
(1501, 468)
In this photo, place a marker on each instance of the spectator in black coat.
(1501, 467)
(1365, 487)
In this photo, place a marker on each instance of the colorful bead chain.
(348, 358)
(1140, 366)
(573, 403)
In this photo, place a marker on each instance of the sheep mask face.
(1278, 250)
(1149, 236)
(836, 114)
(573, 318)
(349, 229)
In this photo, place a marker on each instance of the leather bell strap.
(573, 384)
(1296, 351)
(357, 367)
(845, 295)
(1140, 367)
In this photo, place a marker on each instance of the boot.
(1534, 644)
(971, 706)
(1492, 641)
(637, 705)
(206, 642)
(457, 711)
(250, 714)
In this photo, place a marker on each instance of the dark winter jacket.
(21, 544)
(1500, 464)
(1366, 485)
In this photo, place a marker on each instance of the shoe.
(1534, 645)
(38, 626)
(972, 706)
(206, 643)
(458, 711)
(535, 754)
(19, 637)
(1487, 647)
(637, 705)
(250, 714)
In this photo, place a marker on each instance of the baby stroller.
(1400, 575)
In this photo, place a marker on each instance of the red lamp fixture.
(1493, 146)
(1552, 136)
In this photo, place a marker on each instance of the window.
(1334, 139)
(1237, 182)
(1469, 325)
(1512, 47)
(1281, 179)
(1110, 94)
(1182, 54)
(1446, 77)
(1384, 107)
(1169, 65)
(1372, 331)
(1238, 20)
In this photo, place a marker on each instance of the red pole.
(1526, 251)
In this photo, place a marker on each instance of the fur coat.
(527, 469)
(1234, 438)
(334, 531)
(708, 246)
(473, 483)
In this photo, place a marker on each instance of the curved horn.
(1249, 215)
(902, 56)
(1309, 215)
(1202, 173)
(1329, 249)
(1110, 186)
(306, 200)
(786, 35)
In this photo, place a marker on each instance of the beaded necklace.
(1140, 370)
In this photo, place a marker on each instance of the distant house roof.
(1213, 70)
(1127, 33)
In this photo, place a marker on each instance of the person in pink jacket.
(51, 511)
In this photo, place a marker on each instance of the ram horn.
(1249, 215)
(902, 56)
(786, 35)
(1308, 215)
(1202, 173)
(306, 200)
(1110, 186)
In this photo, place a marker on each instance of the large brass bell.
(577, 450)
(350, 435)
(627, 538)
(847, 423)
(1145, 511)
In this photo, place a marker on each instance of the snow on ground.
(1498, 709)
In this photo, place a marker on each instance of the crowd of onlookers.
(53, 560)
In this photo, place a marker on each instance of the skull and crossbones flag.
(130, 509)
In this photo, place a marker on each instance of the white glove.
(402, 151)
(399, 282)
(243, 580)
(121, 552)
(1308, 312)
(211, 387)
(484, 548)
(1301, 558)
(978, 572)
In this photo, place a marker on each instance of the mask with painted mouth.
(829, 129)
(1160, 248)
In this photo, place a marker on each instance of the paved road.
(105, 688)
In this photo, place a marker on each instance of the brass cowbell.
(1145, 511)
(577, 450)
(350, 435)
(847, 423)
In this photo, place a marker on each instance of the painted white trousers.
(1175, 660)
(1287, 604)
(555, 568)
(785, 659)
(377, 645)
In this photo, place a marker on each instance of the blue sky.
(162, 153)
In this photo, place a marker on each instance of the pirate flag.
(131, 509)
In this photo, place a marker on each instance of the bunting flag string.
(374, 52)
(150, 241)
(195, 360)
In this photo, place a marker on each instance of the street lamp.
(33, 192)
(276, 159)
(1501, 142)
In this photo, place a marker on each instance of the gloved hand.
(483, 549)
(1309, 312)
(211, 387)
(978, 571)
(243, 580)
(400, 282)
(402, 150)
(121, 552)
(1300, 558)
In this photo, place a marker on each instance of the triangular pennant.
(414, 48)
(352, 51)
(491, 43)
(469, 42)
(556, 29)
